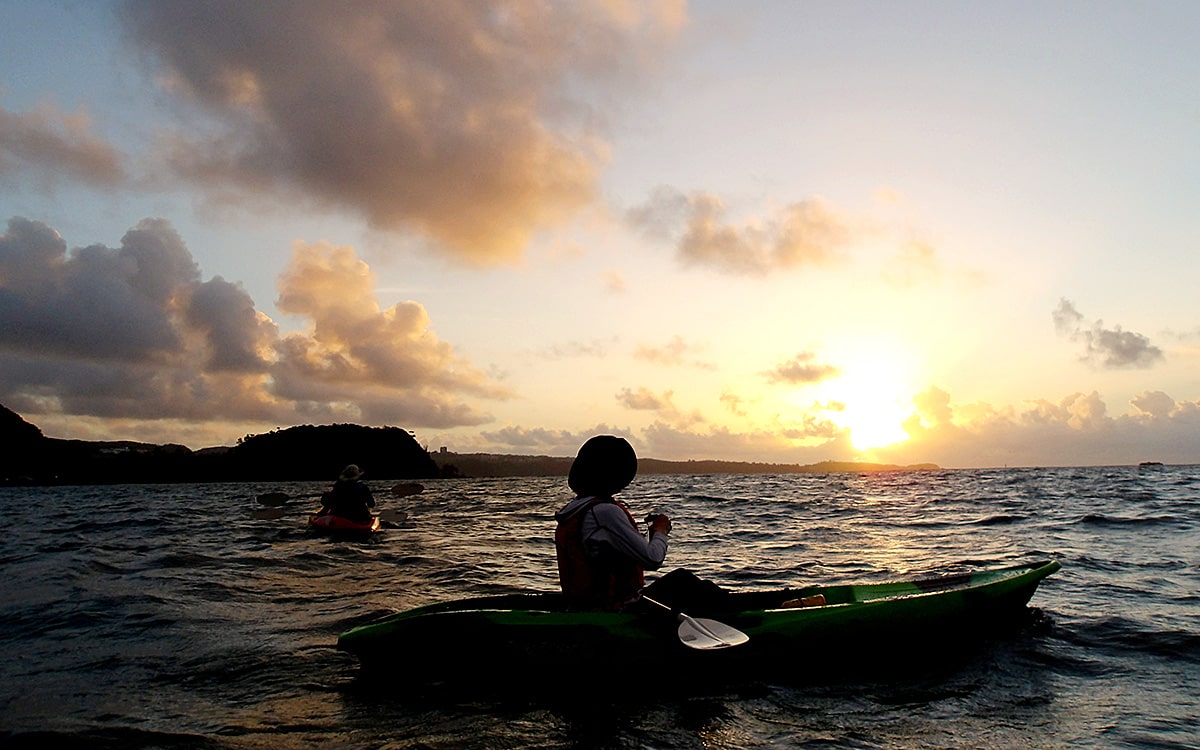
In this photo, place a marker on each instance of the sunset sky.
(946, 232)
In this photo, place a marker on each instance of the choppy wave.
(1127, 637)
(1101, 519)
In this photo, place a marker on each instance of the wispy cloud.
(662, 404)
(917, 262)
(676, 352)
(50, 147)
(575, 349)
(802, 368)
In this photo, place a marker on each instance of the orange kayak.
(337, 524)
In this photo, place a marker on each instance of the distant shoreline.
(313, 453)
(510, 465)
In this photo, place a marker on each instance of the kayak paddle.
(703, 634)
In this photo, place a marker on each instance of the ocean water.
(170, 616)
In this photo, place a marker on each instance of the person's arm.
(615, 529)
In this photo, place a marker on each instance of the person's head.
(350, 473)
(605, 465)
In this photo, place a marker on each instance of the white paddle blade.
(704, 635)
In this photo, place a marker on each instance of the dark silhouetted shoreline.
(314, 453)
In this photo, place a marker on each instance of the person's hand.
(660, 524)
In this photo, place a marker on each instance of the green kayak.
(531, 635)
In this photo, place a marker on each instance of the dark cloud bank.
(134, 332)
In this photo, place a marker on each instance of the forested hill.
(297, 453)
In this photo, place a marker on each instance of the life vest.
(596, 578)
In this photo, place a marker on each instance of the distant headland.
(310, 452)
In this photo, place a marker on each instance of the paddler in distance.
(350, 497)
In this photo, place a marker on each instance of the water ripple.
(146, 616)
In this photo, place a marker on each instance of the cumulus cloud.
(97, 302)
(1076, 430)
(1077, 411)
(466, 122)
(802, 368)
(238, 337)
(1154, 403)
(56, 146)
(391, 355)
(1109, 348)
(133, 332)
(128, 332)
(803, 233)
(933, 407)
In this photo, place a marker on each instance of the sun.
(874, 420)
(871, 396)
